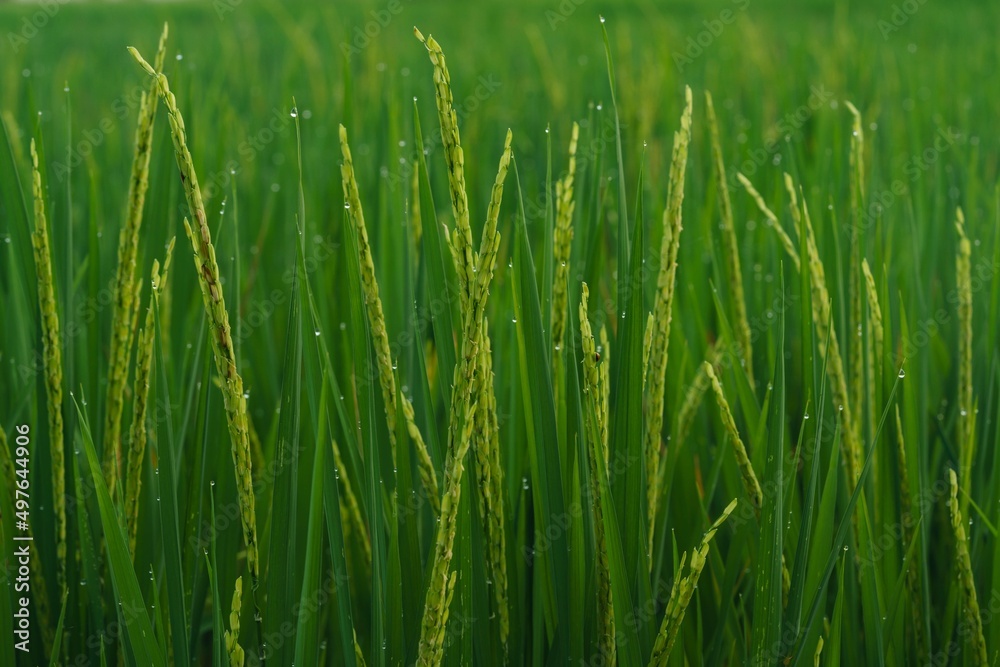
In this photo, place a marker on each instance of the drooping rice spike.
(970, 606)
(125, 307)
(682, 592)
(750, 482)
(380, 336)
(52, 362)
(597, 430)
(662, 309)
(137, 433)
(734, 273)
(771, 221)
(562, 242)
(210, 280)
(821, 312)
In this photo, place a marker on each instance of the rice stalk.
(137, 434)
(908, 520)
(594, 376)
(682, 592)
(750, 482)
(686, 414)
(563, 241)
(451, 144)
(215, 308)
(125, 307)
(461, 422)
(819, 651)
(856, 190)
(52, 363)
(232, 636)
(876, 341)
(695, 392)
(662, 308)
(822, 317)
(970, 608)
(730, 247)
(489, 474)
(380, 336)
(350, 507)
(963, 276)
(442, 585)
(771, 220)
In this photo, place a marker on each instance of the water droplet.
(524, 483)
(602, 19)
(294, 113)
(902, 374)
(805, 416)
(180, 56)
(66, 89)
(343, 326)
(317, 332)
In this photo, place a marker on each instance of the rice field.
(524, 333)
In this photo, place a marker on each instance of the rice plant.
(510, 345)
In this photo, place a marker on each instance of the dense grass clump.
(662, 337)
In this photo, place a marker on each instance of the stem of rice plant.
(461, 422)
(380, 336)
(137, 434)
(52, 363)
(126, 304)
(662, 309)
(210, 281)
(489, 475)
